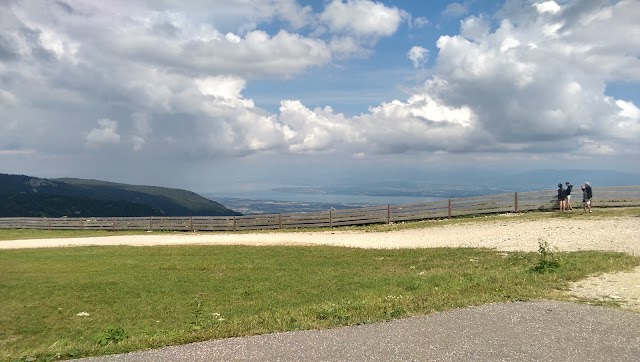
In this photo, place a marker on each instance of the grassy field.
(23, 234)
(63, 303)
(86, 301)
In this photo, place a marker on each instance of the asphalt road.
(521, 331)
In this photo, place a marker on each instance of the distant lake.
(256, 198)
(323, 198)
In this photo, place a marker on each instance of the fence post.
(150, 222)
(516, 202)
(388, 214)
(330, 218)
(49, 223)
(191, 223)
(234, 223)
(449, 211)
(114, 223)
(280, 221)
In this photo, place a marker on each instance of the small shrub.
(112, 335)
(397, 311)
(547, 260)
(198, 320)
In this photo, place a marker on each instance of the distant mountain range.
(38, 197)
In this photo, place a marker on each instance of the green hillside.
(49, 205)
(31, 196)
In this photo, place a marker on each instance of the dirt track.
(513, 234)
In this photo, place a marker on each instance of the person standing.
(587, 194)
(569, 189)
(562, 197)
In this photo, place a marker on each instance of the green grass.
(145, 297)
(23, 234)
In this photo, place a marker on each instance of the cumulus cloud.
(221, 86)
(420, 124)
(628, 110)
(588, 146)
(298, 16)
(58, 46)
(355, 26)
(512, 89)
(247, 15)
(547, 7)
(233, 38)
(202, 49)
(105, 134)
(531, 79)
(362, 18)
(475, 28)
(526, 88)
(96, 33)
(418, 56)
(317, 130)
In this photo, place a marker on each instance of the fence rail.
(513, 202)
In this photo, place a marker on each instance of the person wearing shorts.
(562, 197)
(568, 202)
(587, 194)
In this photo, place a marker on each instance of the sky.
(217, 95)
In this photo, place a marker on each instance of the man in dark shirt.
(562, 197)
(587, 194)
(569, 188)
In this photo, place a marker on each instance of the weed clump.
(111, 335)
(547, 261)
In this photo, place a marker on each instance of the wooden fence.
(515, 202)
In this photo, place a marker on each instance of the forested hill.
(37, 197)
